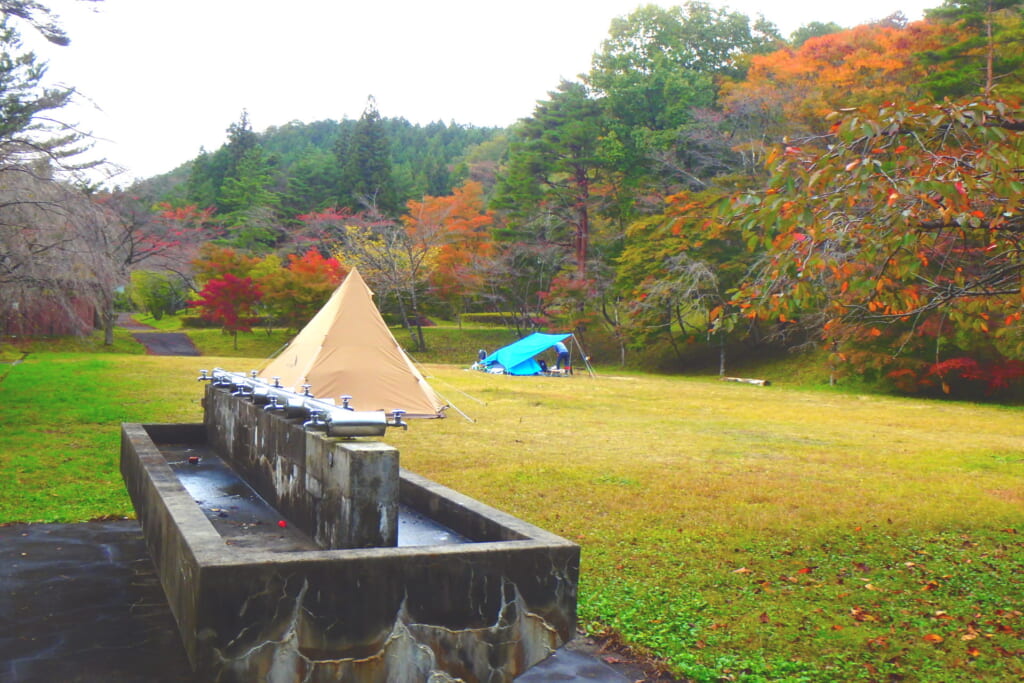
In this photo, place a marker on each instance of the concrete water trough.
(290, 555)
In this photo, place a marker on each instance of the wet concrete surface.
(417, 529)
(244, 519)
(81, 603)
(237, 512)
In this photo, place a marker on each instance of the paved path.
(81, 602)
(158, 343)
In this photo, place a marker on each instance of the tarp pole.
(586, 361)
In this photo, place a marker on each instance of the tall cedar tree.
(365, 160)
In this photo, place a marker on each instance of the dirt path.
(158, 343)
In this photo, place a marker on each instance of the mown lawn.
(738, 532)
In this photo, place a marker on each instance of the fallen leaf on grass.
(934, 638)
(878, 641)
(742, 570)
(861, 614)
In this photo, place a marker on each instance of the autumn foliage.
(229, 301)
(865, 65)
(904, 231)
(238, 290)
(459, 227)
(295, 293)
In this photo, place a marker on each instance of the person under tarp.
(562, 362)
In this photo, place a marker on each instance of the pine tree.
(366, 176)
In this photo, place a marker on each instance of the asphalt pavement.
(158, 343)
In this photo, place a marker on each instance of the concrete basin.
(478, 596)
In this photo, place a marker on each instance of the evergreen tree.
(366, 176)
(28, 129)
(987, 52)
(552, 166)
(311, 182)
(814, 29)
(241, 140)
(250, 204)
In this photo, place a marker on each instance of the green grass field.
(737, 532)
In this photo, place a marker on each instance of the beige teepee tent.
(347, 349)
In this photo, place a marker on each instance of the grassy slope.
(737, 531)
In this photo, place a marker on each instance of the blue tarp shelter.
(518, 357)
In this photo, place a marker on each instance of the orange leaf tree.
(457, 229)
(904, 233)
(864, 65)
(215, 261)
(292, 295)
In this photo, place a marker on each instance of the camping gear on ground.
(348, 350)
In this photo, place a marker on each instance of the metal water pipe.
(318, 414)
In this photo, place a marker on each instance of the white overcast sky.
(161, 79)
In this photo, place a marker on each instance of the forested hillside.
(708, 187)
(373, 161)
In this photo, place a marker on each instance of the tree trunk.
(583, 227)
(108, 329)
(989, 53)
